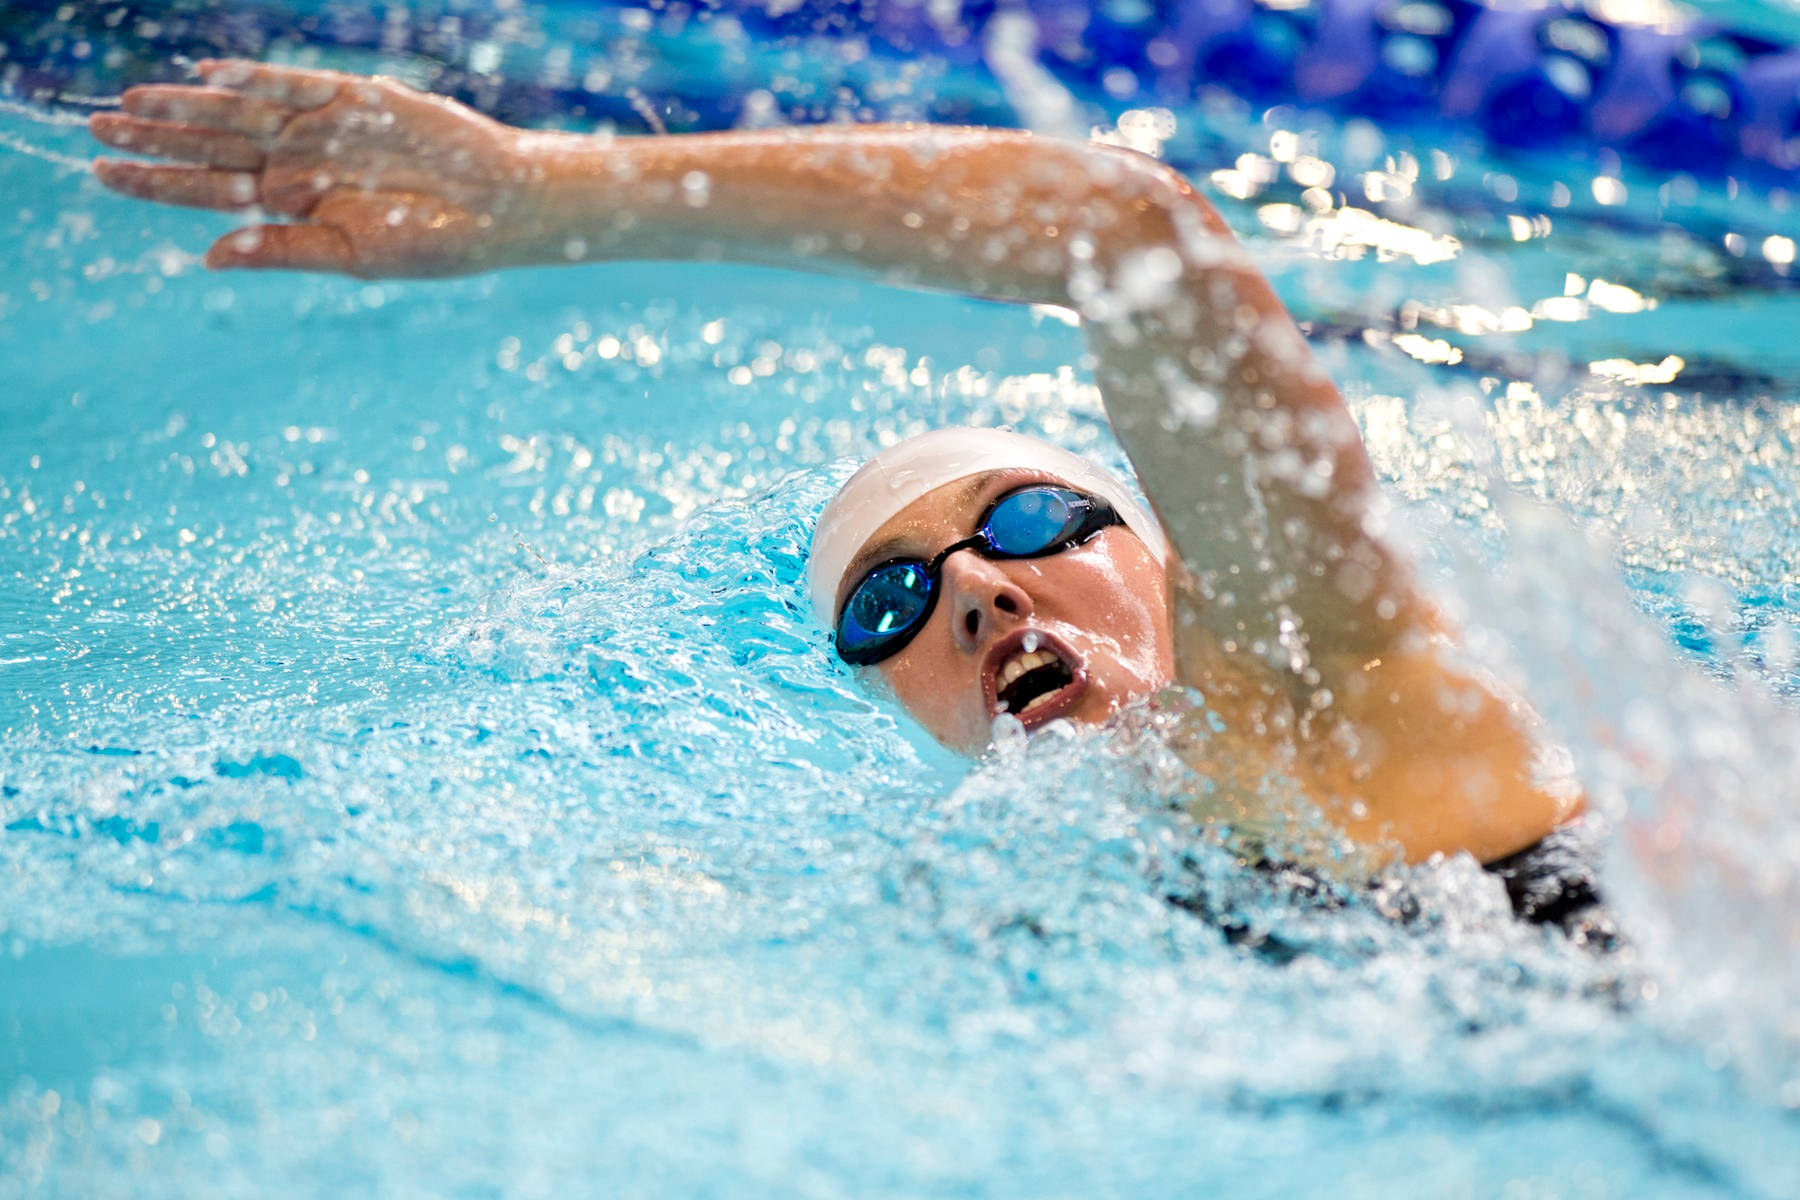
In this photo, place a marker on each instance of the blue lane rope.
(1696, 97)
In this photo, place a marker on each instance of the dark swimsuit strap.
(1553, 882)
(1557, 882)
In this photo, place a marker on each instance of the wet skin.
(1103, 606)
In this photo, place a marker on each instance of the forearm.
(986, 212)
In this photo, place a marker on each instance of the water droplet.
(1008, 733)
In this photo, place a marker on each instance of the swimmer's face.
(1097, 613)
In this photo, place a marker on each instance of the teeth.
(1018, 664)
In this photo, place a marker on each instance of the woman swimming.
(979, 574)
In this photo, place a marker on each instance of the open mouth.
(1034, 676)
(1031, 679)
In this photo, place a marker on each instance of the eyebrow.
(876, 552)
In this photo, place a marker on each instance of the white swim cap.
(902, 473)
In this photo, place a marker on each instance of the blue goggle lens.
(886, 604)
(1032, 521)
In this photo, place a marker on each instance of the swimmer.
(978, 574)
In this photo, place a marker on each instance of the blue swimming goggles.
(892, 602)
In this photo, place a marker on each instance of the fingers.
(208, 107)
(184, 143)
(295, 86)
(284, 247)
(194, 187)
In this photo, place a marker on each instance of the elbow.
(1142, 201)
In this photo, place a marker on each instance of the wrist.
(571, 197)
(524, 219)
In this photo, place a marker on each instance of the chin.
(1100, 706)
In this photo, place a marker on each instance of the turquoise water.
(420, 775)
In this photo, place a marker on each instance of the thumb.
(284, 247)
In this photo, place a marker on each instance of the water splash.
(1694, 770)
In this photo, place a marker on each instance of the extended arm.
(1240, 441)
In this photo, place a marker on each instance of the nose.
(982, 597)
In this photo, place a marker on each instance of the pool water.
(419, 773)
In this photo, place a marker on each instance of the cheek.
(1159, 630)
(1144, 651)
(939, 691)
(1123, 607)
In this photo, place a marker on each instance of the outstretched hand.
(378, 179)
